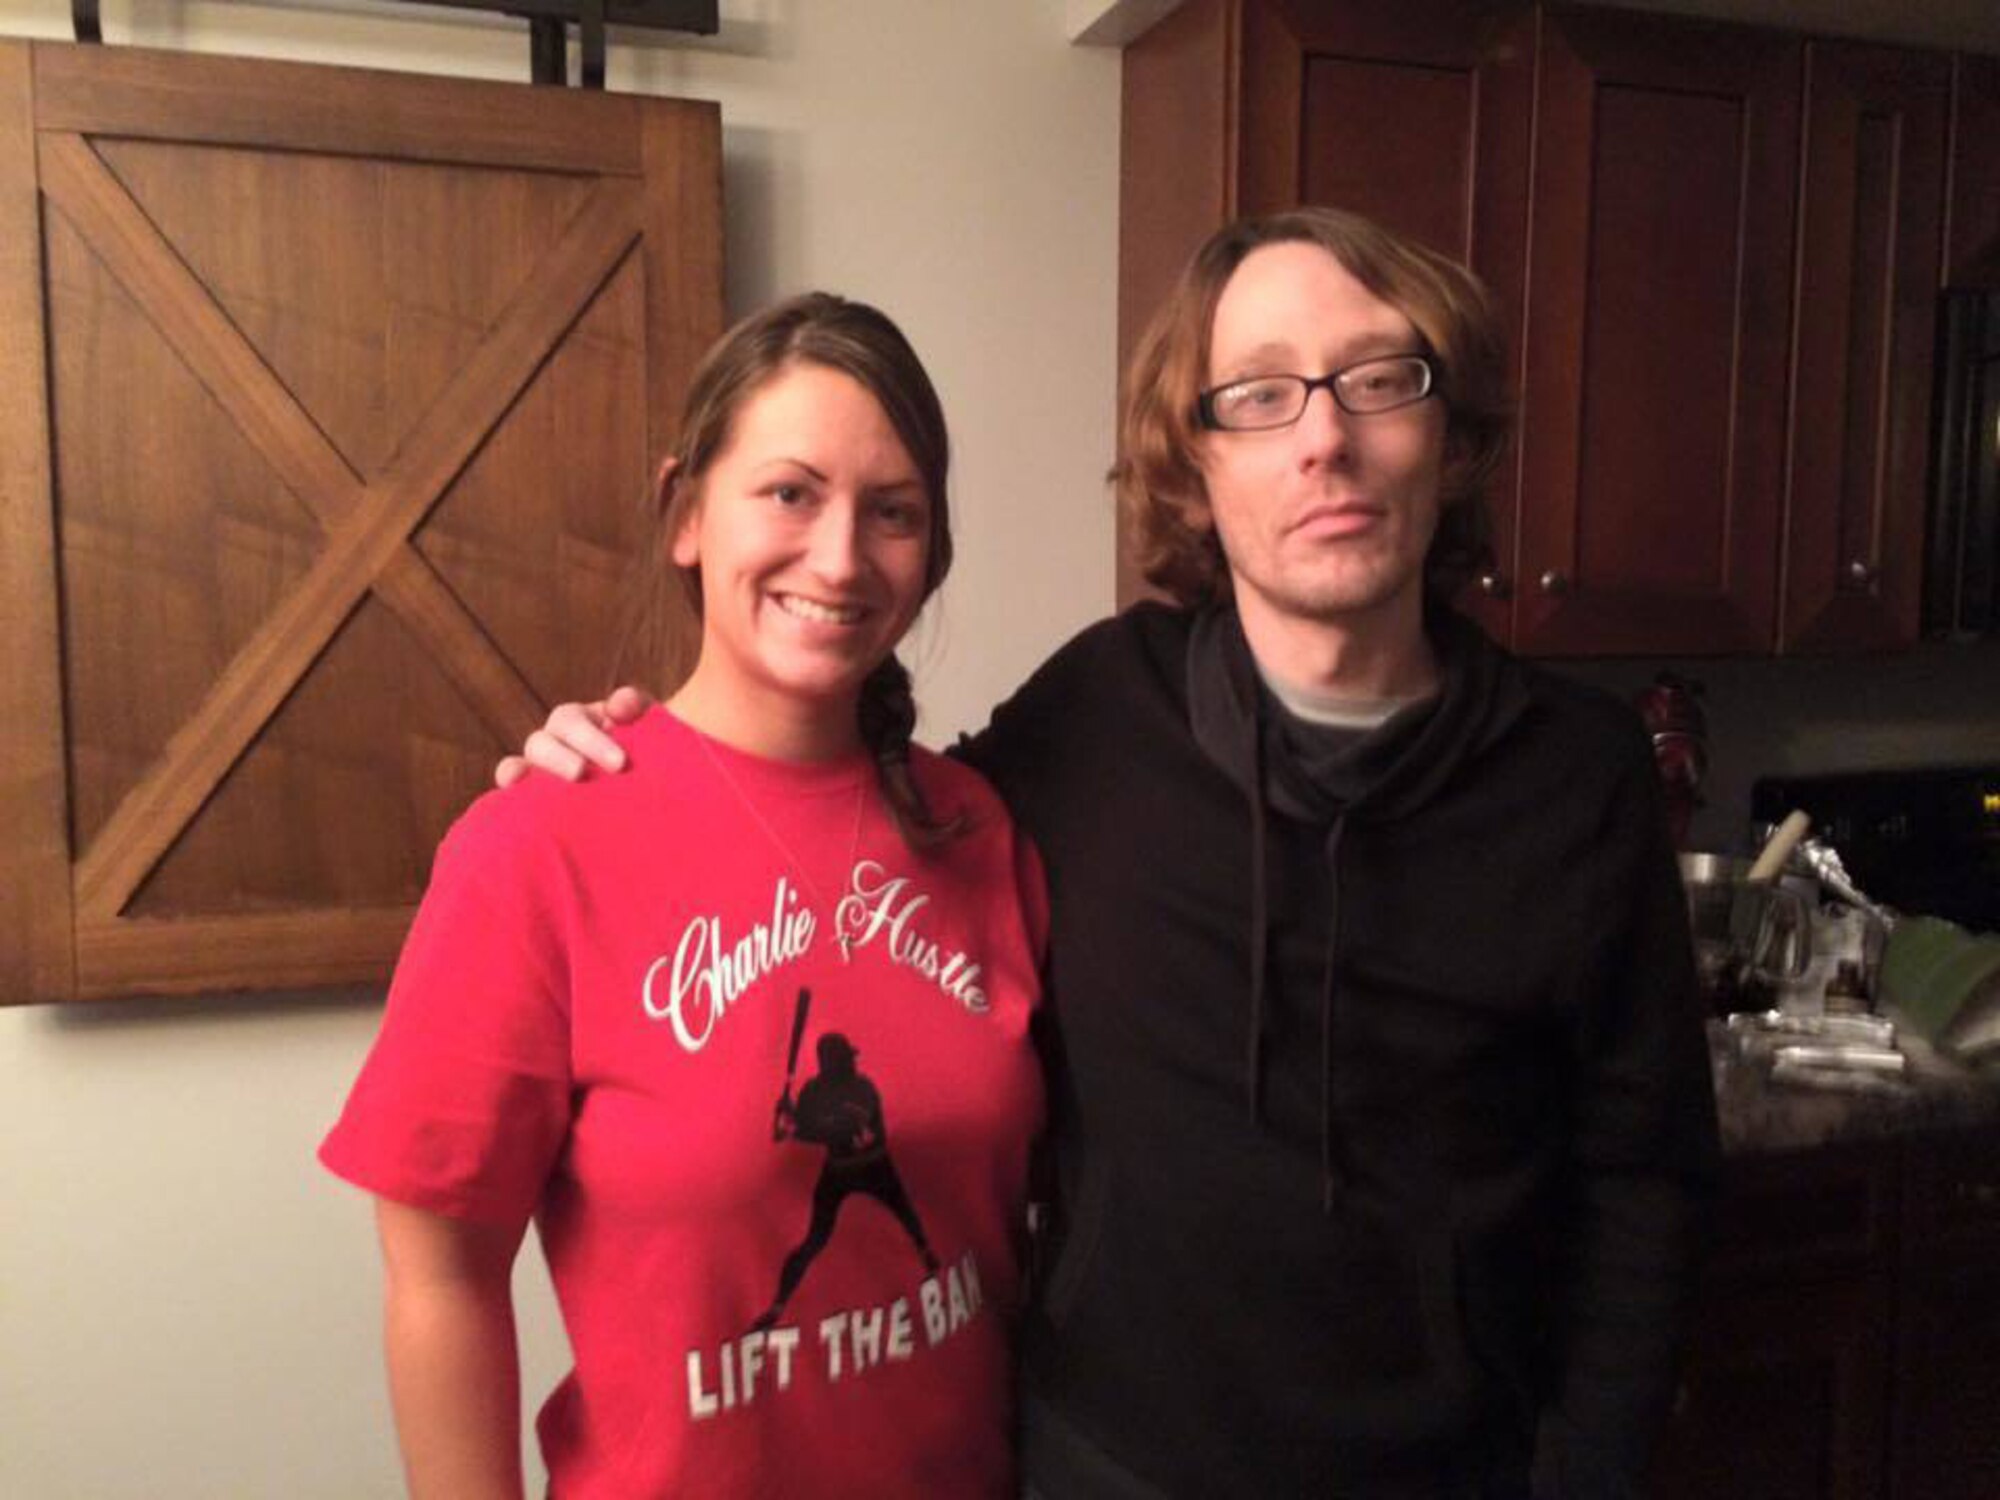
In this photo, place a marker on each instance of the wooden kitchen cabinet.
(1416, 114)
(1653, 404)
(330, 399)
(1947, 1441)
(1643, 512)
(1726, 411)
(1714, 248)
(1785, 1395)
(1972, 254)
(1786, 1398)
(1871, 223)
(1847, 1334)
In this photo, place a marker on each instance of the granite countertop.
(1760, 1114)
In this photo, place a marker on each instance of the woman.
(609, 1009)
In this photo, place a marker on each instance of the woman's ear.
(663, 485)
(684, 545)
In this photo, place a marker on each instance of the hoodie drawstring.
(1260, 922)
(1331, 1175)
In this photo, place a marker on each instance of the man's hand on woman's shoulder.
(576, 739)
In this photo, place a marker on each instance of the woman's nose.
(834, 546)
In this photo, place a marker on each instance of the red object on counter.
(1671, 710)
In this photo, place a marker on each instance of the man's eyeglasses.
(1365, 389)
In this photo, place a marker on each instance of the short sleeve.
(463, 1103)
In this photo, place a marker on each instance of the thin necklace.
(798, 865)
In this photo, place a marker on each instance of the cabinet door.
(1786, 1395)
(1420, 118)
(1973, 251)
(1871, 206)
(1416, 115)
(348, 390)
(1947, 1442)
(1653, 414)
(1785, 1391)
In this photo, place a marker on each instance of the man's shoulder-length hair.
(1162, 500)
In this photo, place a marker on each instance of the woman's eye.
(788, 494)
(902, 517)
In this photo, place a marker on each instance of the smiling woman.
(810, 536)
(605, 979)
(809, 482)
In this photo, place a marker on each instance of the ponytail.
(887, 714)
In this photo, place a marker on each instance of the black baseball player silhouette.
(840, 1109)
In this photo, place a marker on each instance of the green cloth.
(1932, 970)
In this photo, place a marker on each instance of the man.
(1382, 1122)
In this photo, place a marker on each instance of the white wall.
(187, 1304)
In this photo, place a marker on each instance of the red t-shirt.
(732, 1044)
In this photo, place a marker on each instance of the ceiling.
(1972, 25)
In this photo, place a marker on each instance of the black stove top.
(1922, 839)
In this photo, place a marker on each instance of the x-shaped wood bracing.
(368, 524)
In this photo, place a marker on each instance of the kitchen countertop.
(1759, 1115)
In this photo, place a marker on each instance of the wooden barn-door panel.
(352, 406)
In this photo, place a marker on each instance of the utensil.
(1778, 848)
(1824, 861)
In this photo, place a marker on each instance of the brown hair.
(663, 638)
(1162, 499)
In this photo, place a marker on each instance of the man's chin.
(1349, 600)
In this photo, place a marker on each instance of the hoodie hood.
(1381, 776)
(1388, 774)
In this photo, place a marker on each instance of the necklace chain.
(798, 865)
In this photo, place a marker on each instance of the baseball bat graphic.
(800, 1008)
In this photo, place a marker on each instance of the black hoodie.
(1382, 1115)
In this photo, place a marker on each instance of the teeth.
(826, 614)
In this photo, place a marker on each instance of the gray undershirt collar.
(1332, 710)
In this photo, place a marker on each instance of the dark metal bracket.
(548, 27)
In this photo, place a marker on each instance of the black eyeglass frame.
(1329, 382)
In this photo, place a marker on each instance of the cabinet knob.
(1860, 575)
(1492, 583)
(1553, 581)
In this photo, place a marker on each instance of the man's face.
(1327, 520)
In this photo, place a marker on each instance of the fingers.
(627, 705)
(575, 739)
(553, 750)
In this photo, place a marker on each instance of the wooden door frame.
(37, 959)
